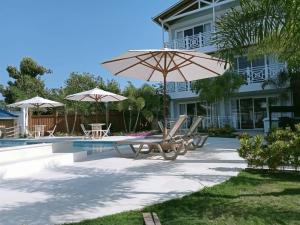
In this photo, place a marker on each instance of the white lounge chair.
(164, 146)
(192, 137)
(87, 133)
(106, 132)
(51, 132)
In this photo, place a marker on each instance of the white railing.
(260, 74)
(207, 122)
(178, 87)
(253, 75)
(191, 42)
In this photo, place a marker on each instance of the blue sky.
(75, 35)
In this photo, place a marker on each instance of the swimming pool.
(92, 146)
(19, 142)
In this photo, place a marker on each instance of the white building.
(190, 25)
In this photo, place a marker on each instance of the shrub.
(227, 130)
(252, 150)
(282, 149)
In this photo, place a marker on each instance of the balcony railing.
(260, 74)
(191, 42)
(253, 75)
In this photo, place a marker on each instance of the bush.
(282, 149)
(222, 131)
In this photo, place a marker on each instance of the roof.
(7, 115)
(172, 10)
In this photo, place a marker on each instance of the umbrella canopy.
(36, 102)
(166, 65)
(96, 95)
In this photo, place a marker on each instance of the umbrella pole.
(165, 106)
(97, 111)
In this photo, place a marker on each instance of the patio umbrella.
(96, 95)
(166, 65)
(36, 102)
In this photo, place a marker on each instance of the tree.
(143, 102)
(261, 27)
(78, 82)
(26, 81)
(218, 88)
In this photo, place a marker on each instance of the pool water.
(19, 142)
(92, 146)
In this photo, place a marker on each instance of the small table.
(39, 130)
(97, 129)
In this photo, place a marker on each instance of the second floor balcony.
(253, 75)
(197, 41)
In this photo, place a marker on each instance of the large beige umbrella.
(166, 65)
(96, 95)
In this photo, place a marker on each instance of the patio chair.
(192, 137)
(164, 146)
(51, 132)
(106, 132)
(87, 133)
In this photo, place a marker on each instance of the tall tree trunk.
(129, 125)
(124, 121)
(74, 122)
(66, 120)
(137, 120)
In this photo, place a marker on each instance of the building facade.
(191, 25)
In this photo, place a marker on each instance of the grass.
(253, 197)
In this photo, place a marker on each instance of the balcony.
(254, 75)
(196, 41)
(260, 74)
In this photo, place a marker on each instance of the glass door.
(246, 113)
(191, 112)
(260, 112)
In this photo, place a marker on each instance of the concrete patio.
(107, 184)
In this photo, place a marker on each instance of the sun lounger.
(163, 146)
(192, 137)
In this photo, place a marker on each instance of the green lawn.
(254, 197)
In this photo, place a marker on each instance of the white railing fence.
(207, 122)
(260, 74)
(253, 75)
(191, 42)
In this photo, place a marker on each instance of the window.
(203, 28)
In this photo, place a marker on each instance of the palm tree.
(261, 27)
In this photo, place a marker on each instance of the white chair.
(87, 133)
(106, 132)
(51, 132)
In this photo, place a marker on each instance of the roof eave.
(157, 19)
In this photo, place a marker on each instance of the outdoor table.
(97, 129)
(39, 130)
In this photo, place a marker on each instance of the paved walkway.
(108, 184)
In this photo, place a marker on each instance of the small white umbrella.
(96, 95)
(166, 65)
(36, 102)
